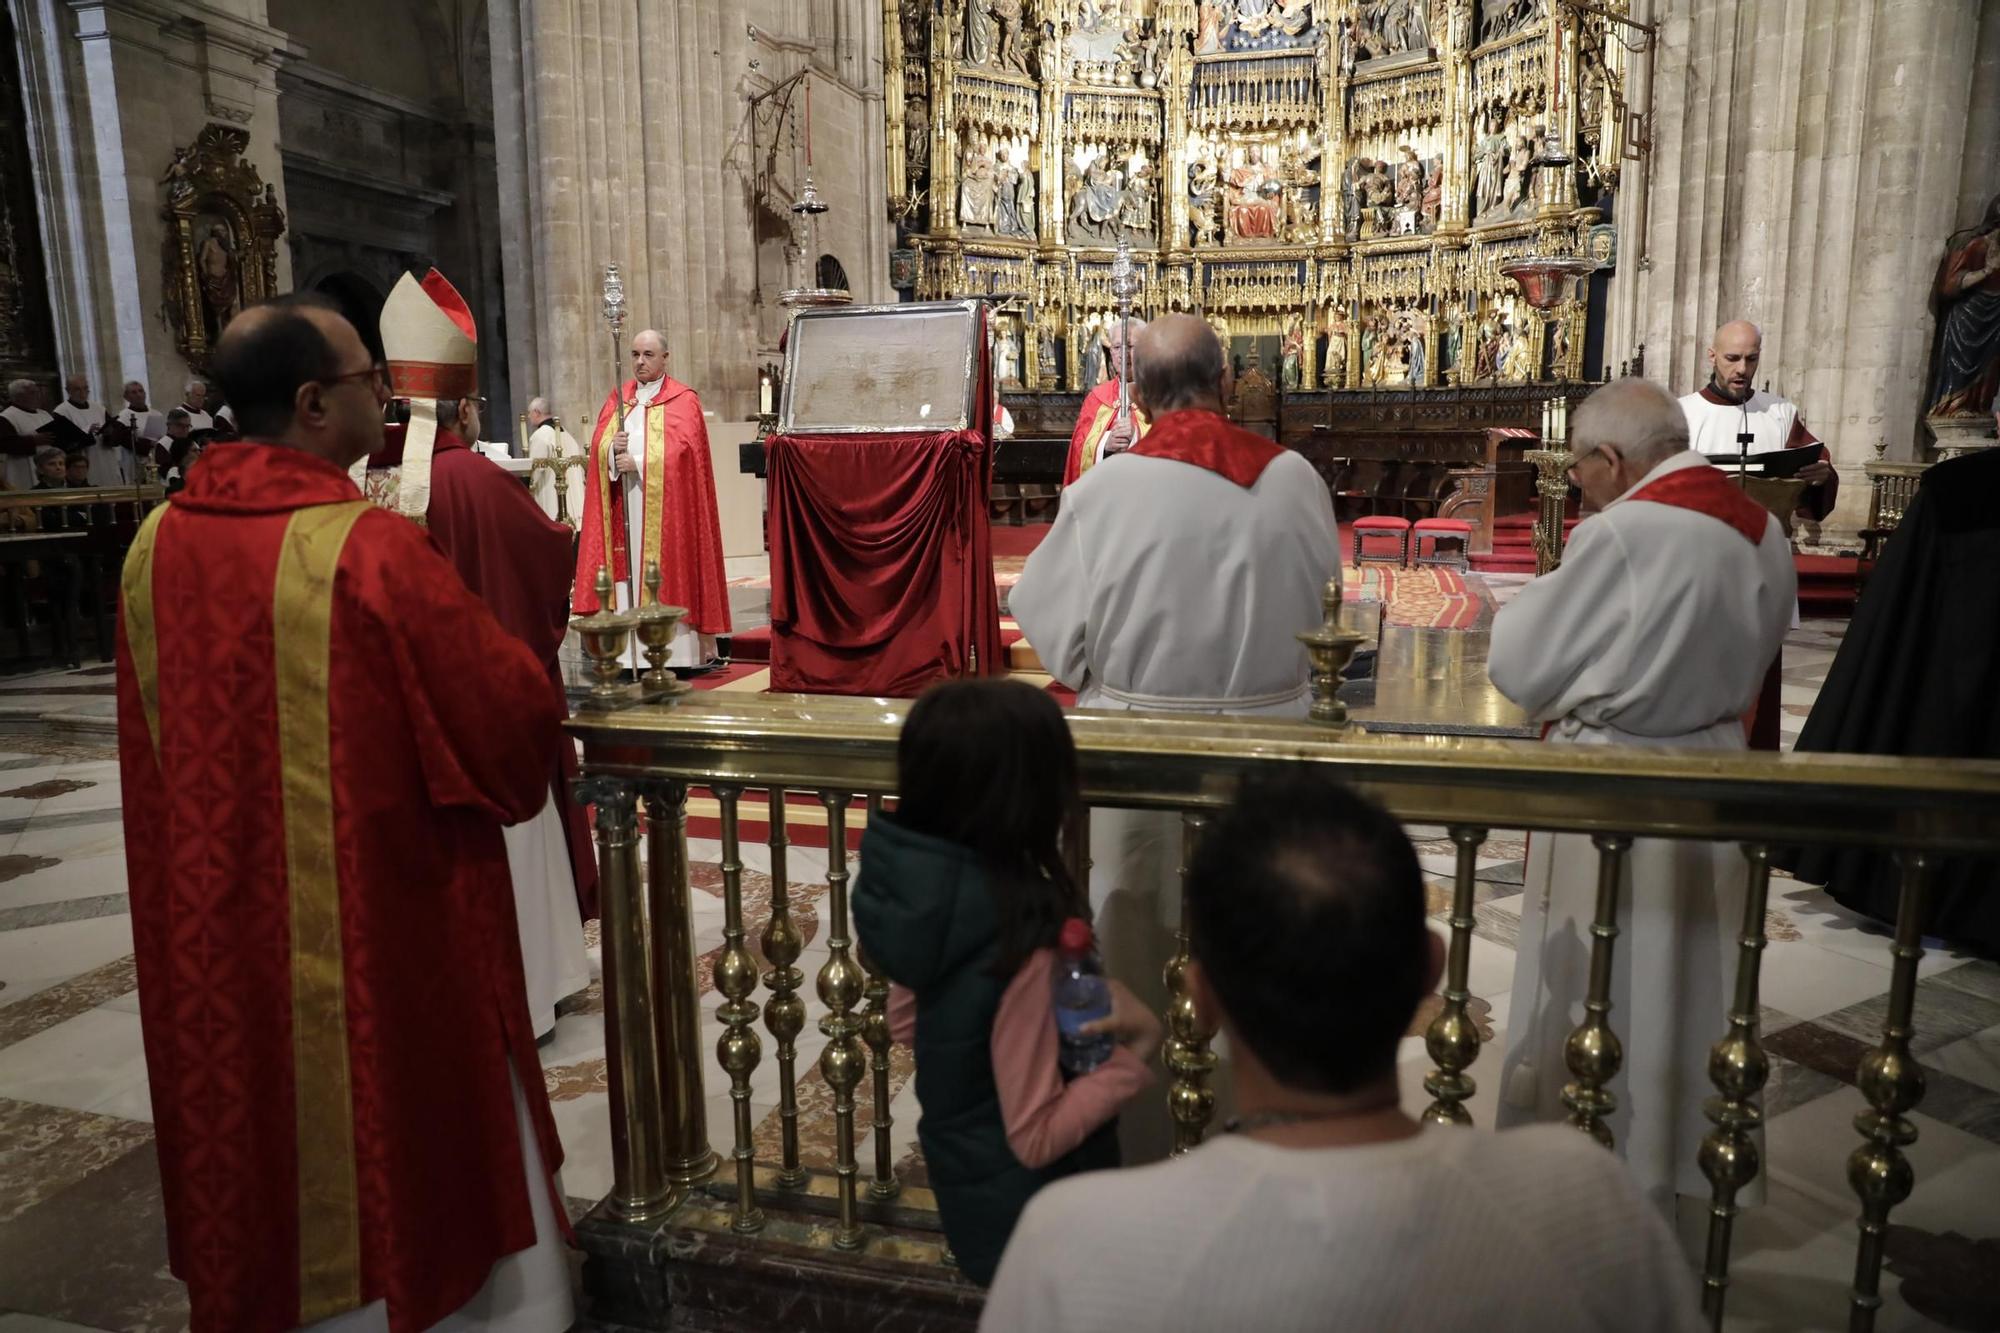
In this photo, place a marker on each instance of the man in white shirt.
(1176, 577)
(107, 464)
(25, 415)
(145, 424)
(1330, 1206)
(194, 402)
(1730, 406)
(77, 408)
(1671, 599)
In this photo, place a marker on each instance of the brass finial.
(1331, 648)
(606, 633)
(657, 625)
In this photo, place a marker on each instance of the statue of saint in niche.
(1967, 296)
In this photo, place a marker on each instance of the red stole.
(1705, 490)
(1210, 441)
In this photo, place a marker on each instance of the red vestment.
(330, 981)
(1092, 420)
(682, 530)
(517, 559)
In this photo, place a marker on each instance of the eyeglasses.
(378, 377)
(1578, 457)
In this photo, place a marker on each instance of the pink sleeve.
(1046, 1117)
(902, 1015)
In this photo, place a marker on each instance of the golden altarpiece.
(1333, 184)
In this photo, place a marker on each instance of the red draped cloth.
(881, 561)
(330, 984)
(517, 559)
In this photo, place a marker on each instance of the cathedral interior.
(1422, 231)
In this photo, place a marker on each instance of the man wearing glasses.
(1671, 600)
(350, 1114)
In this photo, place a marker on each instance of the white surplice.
(546, 913)
(686, 647)
(109, 464)
(1655, 630)
(1773, 421)
(1166, 587)
(551, 441)
(18, 471)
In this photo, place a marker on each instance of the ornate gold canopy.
(1332, 183)
(221, 248)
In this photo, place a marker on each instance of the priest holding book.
(1729, 407)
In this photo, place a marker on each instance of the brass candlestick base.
(606, 634)
(657, 625)
(1331, 648)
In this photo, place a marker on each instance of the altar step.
(692, 1271)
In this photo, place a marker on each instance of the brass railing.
(837, 750)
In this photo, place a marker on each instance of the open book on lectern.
(1771, 463)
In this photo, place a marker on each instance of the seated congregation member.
(961, 894)
(1671, 600)
(1328, 1206)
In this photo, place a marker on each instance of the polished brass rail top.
(1180, 760)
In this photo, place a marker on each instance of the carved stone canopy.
(221, 247)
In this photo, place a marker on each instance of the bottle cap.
(1076, 936)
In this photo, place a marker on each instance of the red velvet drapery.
(881, 561)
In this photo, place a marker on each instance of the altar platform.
(1430, 673)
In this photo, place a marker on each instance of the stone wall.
(1809, 158)
(625, 134)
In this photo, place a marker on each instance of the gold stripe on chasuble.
(656, 501)
(1098, 425)
(301, 636)
(141, 639)
(605, 470)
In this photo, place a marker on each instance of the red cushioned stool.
(1382, 528)
(1438, 531)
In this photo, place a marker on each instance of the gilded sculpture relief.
(221, 246)
(1333, 182)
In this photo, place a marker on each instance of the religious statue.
(1208, 30)
(1253, 201)
(1096, 356)
(1146, 55)
(1417, 355)
(1047, 364)
(1006, 202)
(1452, 343)
(1409, 190)
(1518, 366)
(1204, 194)
(1376, 194)
(1504, 18)
(1007, 356)
(1333, 373)
(215, 264)
(1559, 348)
(1488, 167)
(1432, 204)
(1967, 302)
(1094, 209)
(1291, 354)
(1024, 201)
(979, 25)
(1295, 169)
(1517, 189)
(1135, 214)
(917, 138)
(1487, 348)
(976, 186)
(1012, 50)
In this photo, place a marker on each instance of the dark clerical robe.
(518, 560)
(329, 978)
(668, 510)
(1914, 676)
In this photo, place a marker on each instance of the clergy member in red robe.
(517, 561)
(653, 492)
(1098, 430)
(350, 1116)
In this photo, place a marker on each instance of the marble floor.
(81, 1243)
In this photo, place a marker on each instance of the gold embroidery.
(141, 638)
(1102, 423)
(301, 635)
(612, 425)
(656, 496)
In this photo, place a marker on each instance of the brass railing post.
(674, 991)
(1453, 1038)
(1187, 1056)
(842, 1060)
(1893, 1083)
(640, 1188)
(1738, 1067)
(737, 1049)
(784, 1012)
(1593, 1052)
(875, 1035)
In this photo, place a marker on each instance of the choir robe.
(329, 977)
(1714, 422)
(517, 562)
(110, 464)
(665, 511)
(31, 430)
(1093, 422)
(1175, 578)
(1655, 630)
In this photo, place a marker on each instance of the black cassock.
(1915, 676)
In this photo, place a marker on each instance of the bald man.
(548, 439)
(1099, 433)
(652, 490)
(1672, 597)
(1730, 406)
(1174, 580)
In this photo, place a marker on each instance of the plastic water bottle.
(1080, 997)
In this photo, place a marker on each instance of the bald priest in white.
(1671, 599)
(1730, 406)
(1175, 579)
